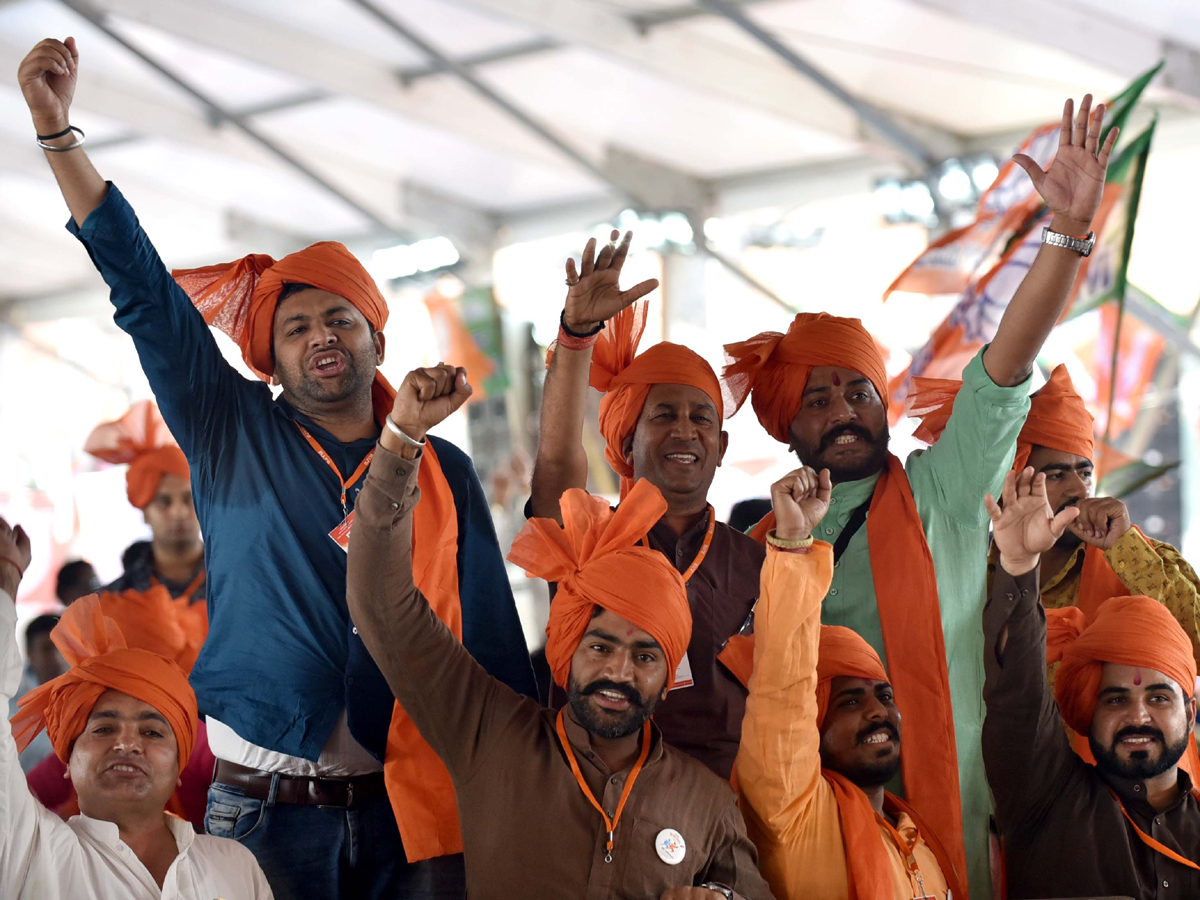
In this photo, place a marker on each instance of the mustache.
(624, 690)
(880, 726)
(835, 433)
(1066, 504)
(1140, 731)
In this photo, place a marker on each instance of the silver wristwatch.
(725, 892)
(1083, 246)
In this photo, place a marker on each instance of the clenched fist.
(47, 78)
(427, 396)
(800, 500)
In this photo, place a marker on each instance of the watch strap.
(1081, 245)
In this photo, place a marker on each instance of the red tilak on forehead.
(837, 382)
(1137, 679)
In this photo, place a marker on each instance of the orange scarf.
(141, 439)
(240, 298)
(913, 640)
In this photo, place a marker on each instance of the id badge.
(341, 534)
(683, 673)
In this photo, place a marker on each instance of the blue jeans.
(315, 853)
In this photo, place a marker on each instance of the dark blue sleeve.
(191, 380)
(491, 627)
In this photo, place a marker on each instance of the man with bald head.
(907, 536)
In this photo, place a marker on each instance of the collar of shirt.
(848, 496)
(663, 539)
(1061, 574)
(109, 835)
(1132, 792)
(581, 741)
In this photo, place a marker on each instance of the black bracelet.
(51, 137)
(562, 321)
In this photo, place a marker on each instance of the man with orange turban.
(586, 801)
(124, 722)
(158, 482)
(1128, 825)
(822, 735)
(906, 581)
(312, 750)
(661, 418)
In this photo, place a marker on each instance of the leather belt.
(340, 793)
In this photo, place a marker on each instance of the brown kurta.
(1064, 834)
(528, 830)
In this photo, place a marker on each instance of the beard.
(869, 465)
(303, 386)
(1140, 765)
(610, 725)
(867, 773)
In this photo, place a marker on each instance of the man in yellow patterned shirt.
(1101, 553)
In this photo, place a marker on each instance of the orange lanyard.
(910, 859)
(186, 596)
(611, 825)
(1151, 842)
(703, 552)
(358, 473)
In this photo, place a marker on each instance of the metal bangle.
(41, 142)
(395, 429)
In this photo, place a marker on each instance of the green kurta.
(948, 482)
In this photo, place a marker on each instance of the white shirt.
(43, 857)
(342, 756)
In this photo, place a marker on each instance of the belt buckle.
(349, 797)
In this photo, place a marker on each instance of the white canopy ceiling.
(664, 100)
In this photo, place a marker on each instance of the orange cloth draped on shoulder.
(101, 660)
(842, 652)
(139, 438)
(240, 299)
(625, 378)
(1129, 631)
(1058, 418)
(772, 369)
(597, 562)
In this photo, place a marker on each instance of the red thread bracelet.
(571, 342)
(12, 562)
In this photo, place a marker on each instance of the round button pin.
(670, 846)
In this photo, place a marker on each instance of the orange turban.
(1129, 631)
(240, 298)
(150, 620)
(596, 561)
(626, 379)
(773, 368)
(1058, 417)
(101, 660)
(843, 652)
(141, 439)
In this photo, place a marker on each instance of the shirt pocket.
(643, 872)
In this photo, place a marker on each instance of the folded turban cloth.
(153, 620)
(240, 298)
(773, 368)
(843, 652)
(101, 660)
(626, 379)
(139, 438)
(1058, 417)
(596, 561)
(1129, 631)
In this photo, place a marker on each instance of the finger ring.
(571, 283)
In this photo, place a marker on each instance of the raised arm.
(447, 694)
(1072, 188)
(19, 811)
(193, 384)
(779, 762)
(47, 77)
(1025, 748)
(593, 297)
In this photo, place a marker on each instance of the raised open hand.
(800, 500)
(1026, 526)
(1074, 183)
(593, 295)
(47, 77)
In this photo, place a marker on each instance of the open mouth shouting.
(883, 737)
(327, 363)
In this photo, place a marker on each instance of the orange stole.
(916, 653)
(418, 783)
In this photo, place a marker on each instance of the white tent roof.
(664, 98)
